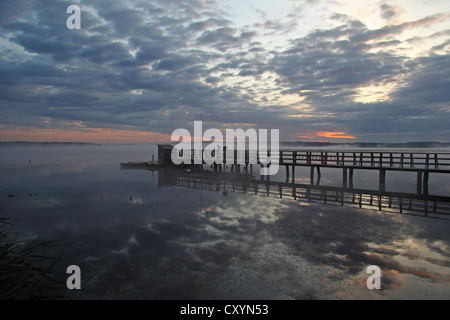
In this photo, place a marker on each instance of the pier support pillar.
(419, 183)
(425, 183)
(293, 174)
(350, 178)
(344, 178)
(382, 181)
(319, 175)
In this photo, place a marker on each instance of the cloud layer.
(140, 66)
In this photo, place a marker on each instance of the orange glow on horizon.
(327, 134)
(94, 135)
(334, 134)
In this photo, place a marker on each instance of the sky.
(136, 70)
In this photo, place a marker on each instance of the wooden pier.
(421, 163)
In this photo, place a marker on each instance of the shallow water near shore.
(143, 234)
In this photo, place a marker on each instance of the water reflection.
(182, 238)
(237, 182)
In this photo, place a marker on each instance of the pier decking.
(231, 175)
(422, 163)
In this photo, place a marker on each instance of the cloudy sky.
(341, 70)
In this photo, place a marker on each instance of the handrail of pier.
(368, 159)
(437, 161)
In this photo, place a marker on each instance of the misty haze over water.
(141, 237)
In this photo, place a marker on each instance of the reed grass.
(28, 268)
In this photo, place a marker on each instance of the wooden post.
(293, 166)
(311, 175)
(344, 178)
(318, 176)
(382, 181)
(419, 182)
(425, 183)
(350, 178)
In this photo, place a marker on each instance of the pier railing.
(364, 159)
(432, 161)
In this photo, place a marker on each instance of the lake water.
(144, 234)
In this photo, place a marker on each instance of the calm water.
(142, 237)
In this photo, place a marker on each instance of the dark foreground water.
(140, 236)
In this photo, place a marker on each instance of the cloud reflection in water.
(181, 243)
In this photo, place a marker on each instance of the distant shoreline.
(417, 144)
(10, 143)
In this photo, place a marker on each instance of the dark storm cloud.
(165, 62)
(327, 68)
(334, 62)
(225, 38)
(388, 12)
(101, 68)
